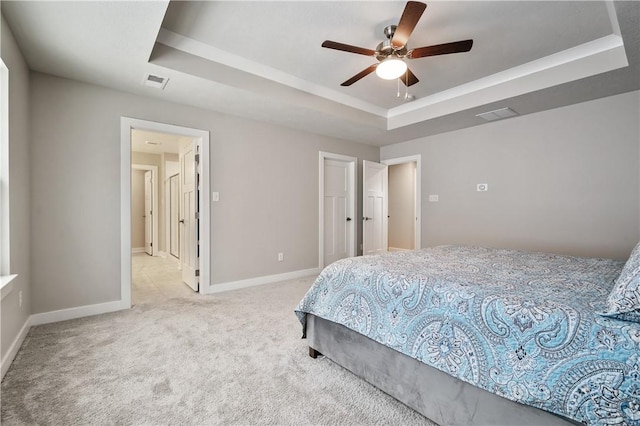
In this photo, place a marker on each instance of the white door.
(174, 217)
(148, 212)
(338, 214)
(188, 231)
(374, 207)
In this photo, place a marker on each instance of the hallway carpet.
(233, 358)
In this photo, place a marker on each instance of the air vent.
(497, 114)
(155, 81)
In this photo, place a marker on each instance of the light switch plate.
(215, 196)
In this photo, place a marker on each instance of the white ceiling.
(155, 143)
(263, 60)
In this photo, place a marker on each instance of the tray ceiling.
(263, 60)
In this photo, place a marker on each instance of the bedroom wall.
(13, 317)
(565, 180)
(267, 177)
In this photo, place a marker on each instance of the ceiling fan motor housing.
(385, 49)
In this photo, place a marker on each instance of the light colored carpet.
(233, 358)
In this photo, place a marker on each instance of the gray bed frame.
(434, 394)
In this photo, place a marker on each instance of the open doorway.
(404, 217)
(402, 206)
(144, 207)
(156, 268)
(177, 188)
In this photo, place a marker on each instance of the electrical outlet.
(280, 257)
(20, 299)
(433, 198)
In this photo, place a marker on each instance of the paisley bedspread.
(521, 325)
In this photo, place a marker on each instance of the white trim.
(6, 285)
(268, 279)
(353, 177)
(138, 250)
(224, 57)
(593, 57)
(5, 240)
(15, 347)
(155, 238)
(78, 312)
(418, 160)
(126, 125)
(584, 60)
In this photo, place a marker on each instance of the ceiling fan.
(392, 52)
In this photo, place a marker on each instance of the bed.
(472, 335)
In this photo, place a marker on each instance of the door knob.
(348, 219)
(181, 221)
(366, 218)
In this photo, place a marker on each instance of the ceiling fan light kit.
(391, 68)
(391, 53)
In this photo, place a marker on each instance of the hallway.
(156, 279)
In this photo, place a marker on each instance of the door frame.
(353, 180)
(154, 203)
(418, 202)
(128, 124)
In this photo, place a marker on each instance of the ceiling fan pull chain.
(406, 86)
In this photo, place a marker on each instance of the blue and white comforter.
(521, 325)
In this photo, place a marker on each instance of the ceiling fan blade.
(410, 17)
(348, 48)
(360, 75)
(441, 49)
(409, 78)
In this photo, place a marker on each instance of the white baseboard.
(79, 312)
(162, 254)
(251, 282)
(137, 250)
(398, 249)
(15, 346)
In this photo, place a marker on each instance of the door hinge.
(197, 215)
(197, 272)
(197, 158)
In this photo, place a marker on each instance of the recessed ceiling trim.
(211, 53)
(595, 57)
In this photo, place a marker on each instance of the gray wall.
(565, 180)
(267, 177)
(13, 317)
